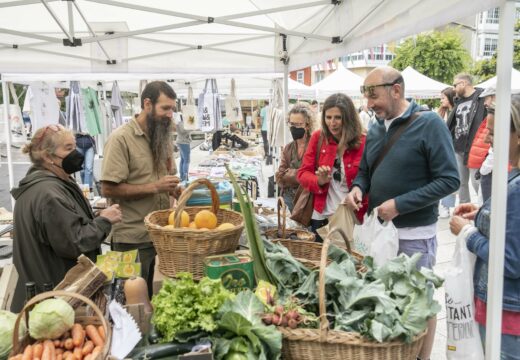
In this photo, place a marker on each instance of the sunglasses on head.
(369, 90)
(336, 175)
(53, 128)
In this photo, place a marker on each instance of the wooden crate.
(8, 280)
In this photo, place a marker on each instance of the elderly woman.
(332, 159)
(477, 240)
(53, 222)
(301, 123)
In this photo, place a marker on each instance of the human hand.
(112, 213)
(466, 211)
(323, 173)
(354, 199)
(457, 223)
(387, 210)
(167, 183)
(176, 193)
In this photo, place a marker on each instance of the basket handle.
(186, 194)
(50, 294)
(281, 205)
(324, 322)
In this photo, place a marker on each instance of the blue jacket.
(418, 171)
(478, 243)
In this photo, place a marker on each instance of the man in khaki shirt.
(137, 172)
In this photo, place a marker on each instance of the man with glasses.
(417, 171)
(464, 121)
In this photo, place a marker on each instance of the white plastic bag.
(463, 338)
(190, 113)
(381, 241)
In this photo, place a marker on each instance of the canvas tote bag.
(190, 113)
(232, 105)
(209, 107)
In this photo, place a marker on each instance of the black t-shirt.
(461, 131)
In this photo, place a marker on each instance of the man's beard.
(159, 131)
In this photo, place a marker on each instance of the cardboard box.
(8, 280)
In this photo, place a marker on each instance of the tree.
(438, 55)
(487, 68)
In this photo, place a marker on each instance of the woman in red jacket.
(332, 158)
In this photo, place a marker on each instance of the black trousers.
(315, 225)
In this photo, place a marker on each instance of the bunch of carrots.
(80, 343)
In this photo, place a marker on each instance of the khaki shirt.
(128, 159)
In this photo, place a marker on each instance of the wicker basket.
(282, 232)
(323, 343)
(184, 249)
(98, 319)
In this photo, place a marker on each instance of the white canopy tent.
(515, 81)
(255, 36)
(342, 80)
(420, 86)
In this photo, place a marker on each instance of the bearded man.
(138, 172)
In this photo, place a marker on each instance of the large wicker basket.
(282, 232)
(323, 343)
(98, 320)
(184, 249)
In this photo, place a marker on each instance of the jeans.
(87, 174)
(485, 185)
(510, 344)
(427, 247)
(466, 175)
(266, 143)
(448, 201)
(184, 164)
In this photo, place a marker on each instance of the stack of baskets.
(284, 234)
(184, 249)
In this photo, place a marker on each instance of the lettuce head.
(50, 319)
(7, 320)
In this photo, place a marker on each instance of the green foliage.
(438, 55)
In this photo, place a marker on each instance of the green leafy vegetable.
(7, 320)
(183, 305)
(50, 319)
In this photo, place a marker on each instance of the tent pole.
(71, 18)
(499, 185)
(57, 20)
(7, 130)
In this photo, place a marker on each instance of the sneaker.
(444, 212)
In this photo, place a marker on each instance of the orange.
(205, 219)
(204, 229)
(168, 227)
(185, 219)
(192, 225)
(225, 226)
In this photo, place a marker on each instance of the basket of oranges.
(184, 236)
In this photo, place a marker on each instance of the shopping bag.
(232, 105)
(190, 113)
(209, 107)
(340, 229)
(303, 206)
(376, 239)
(463, 338)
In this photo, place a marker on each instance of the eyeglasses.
(336, 175)
(54, 128)
(298, 125)
(370, 89)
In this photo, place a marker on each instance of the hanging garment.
(276, 117)
(232, 105)
(75, 111)
(117, 104)
(93, 116)
(210, 117)
(42, 105)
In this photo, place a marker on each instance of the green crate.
(235, 271)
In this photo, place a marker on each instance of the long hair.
(449, 92)
(352, 128)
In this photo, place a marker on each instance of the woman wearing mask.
(301, 123)
(447, 105)
(53, 222)
(332, 158)
(478, 239)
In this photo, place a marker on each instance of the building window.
(389, 57)
(490, 46)
(492, 16)
(300, 76)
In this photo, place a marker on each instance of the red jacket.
(479, 148)
(307, 172)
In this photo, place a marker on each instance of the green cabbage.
(7, 320)
(50, 319)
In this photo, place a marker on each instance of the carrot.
(28, 353)
(59, 357)
(78, 335)
(69, 344)
(57, 343)
(88, 357)
(59, 351)
(87, 348)
(35, 358)
(18, 357)
(67, 353)
(77, 353)
(47, 350)
(93, 334)
(101, 330)
(97, 350)
(37, 350)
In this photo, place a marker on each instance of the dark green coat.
(53, 226)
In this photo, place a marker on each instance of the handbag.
(190, 113)
(304, 199)
(210, 118)
(232, 105)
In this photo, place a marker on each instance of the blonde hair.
(45, 141)
(307, 113)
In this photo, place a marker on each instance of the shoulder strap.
(393, 139)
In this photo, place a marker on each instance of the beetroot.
(293, 324)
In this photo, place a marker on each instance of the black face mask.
(297, 133)
(73, 162)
